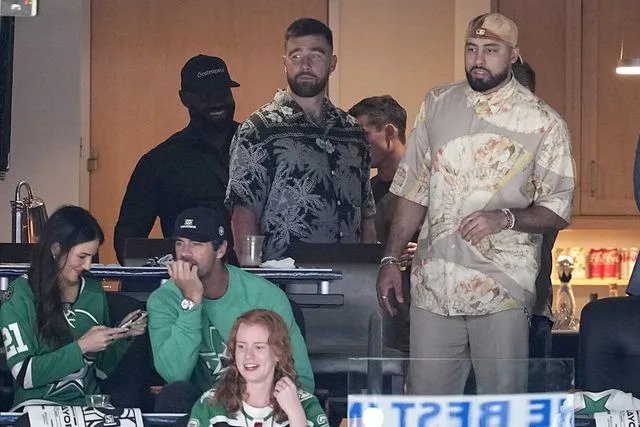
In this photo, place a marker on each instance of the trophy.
(565, 300)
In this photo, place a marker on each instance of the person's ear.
(390, 133)
(515, 54)
(334, 62)
(222, 250)
(55, 250)
(184, 98)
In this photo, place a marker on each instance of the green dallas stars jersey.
(62, 375)
(204, 414)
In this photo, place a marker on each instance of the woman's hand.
(99, 338)
(286, 394)
(136, 328)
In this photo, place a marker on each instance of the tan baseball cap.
(494, 26)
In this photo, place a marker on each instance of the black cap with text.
(202, 225)
(204, 73)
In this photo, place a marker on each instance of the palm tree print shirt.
(305, 181)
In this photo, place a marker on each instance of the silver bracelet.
(511, 219)
(389, 260)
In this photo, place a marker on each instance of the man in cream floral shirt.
(299, 168)
(488, 168)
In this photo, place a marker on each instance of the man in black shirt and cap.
(189, 169)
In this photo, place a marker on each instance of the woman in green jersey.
(55, 322)
(260, 387)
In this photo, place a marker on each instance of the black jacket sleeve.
(139, 205)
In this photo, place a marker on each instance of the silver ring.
(384, 297)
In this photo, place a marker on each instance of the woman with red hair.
(260, 387)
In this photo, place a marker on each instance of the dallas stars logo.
(592, 406)
(214, 353)
(75, 380)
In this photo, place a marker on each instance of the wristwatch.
(186, 304)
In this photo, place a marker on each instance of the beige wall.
(401, 48)
(47, 111)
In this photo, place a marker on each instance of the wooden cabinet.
(573, 46)
(610, 107)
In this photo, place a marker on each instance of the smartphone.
(139, 316)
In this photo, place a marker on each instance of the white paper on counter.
(617, 419)
(287, 263)
(78, 416)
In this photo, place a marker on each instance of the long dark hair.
(68, 226)
(232, 386)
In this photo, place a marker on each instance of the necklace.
(260, 423)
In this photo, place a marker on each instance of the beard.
(307, 89)
(490, 83)
(218, 124)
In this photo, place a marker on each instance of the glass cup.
(251, 251)
(98, 400)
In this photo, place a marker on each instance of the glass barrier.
(462, 392)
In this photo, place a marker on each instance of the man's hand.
(185, 275)
(389, 283)
(480, 224)
(407, 255)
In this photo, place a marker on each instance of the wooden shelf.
(603, 222)
(594, 282)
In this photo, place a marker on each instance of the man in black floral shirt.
(299, 168)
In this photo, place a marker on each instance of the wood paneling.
(549, 39)
(611, 111)
(137, 51)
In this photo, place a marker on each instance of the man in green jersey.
(191, 315)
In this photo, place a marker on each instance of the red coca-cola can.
(611, 263)
(596, 266)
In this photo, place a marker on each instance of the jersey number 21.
(8, 335)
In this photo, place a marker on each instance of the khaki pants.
(452, 343)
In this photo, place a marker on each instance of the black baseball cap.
(202, 225)
(204, 73)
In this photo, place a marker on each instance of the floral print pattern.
(468, 152)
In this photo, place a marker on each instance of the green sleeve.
(315, 415)
(200, 413)
(30, 367)
(298, 346)
(175, 336)
(109, 359)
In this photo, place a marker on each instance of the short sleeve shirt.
(470, 152)
(304, 181)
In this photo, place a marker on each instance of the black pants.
(540, 337)
(176, 398)
(129, 384)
